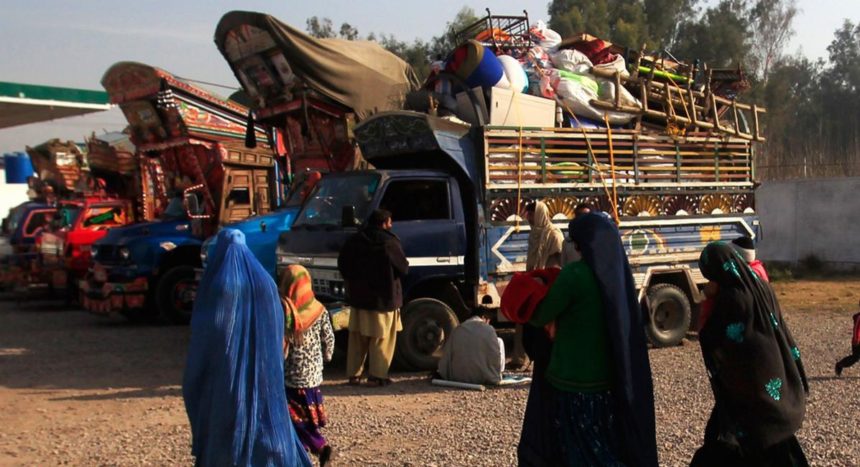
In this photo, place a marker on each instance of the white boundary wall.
(819, 217)
(11, 194)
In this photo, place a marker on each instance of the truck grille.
(327, 282)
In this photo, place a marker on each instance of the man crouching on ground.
(372, 263)
(474, 353)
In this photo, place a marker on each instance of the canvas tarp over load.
(360, 75)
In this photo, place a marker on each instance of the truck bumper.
(110, 297)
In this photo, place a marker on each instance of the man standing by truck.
(372, 263)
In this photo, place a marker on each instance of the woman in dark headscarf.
(755, 370)
(599, 368)
(233, 382)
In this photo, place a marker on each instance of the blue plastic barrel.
(18, 167)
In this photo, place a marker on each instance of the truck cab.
(461, 220)
(261, 232)
(24, 224)
(65, 252)
(196, 175)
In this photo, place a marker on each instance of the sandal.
(325, 455)
(378, 382)
(354, 381)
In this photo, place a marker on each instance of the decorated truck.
(24, 224)
(311, 92)
(671, 163)
(196, 174)
(98, 199)
(459, 211)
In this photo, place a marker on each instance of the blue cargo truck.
(196, 175)
(458, 197)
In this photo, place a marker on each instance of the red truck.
(90, 202)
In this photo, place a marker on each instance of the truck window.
(238, 197)
(36, 221)
(325, 205)
(109, 216)
(411, 200)
(68, 214)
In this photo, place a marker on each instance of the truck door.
(238, 195)
(430, 226)
(262, 187)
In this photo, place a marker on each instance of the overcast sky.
(72, 43)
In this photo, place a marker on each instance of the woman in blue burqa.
(234, 378)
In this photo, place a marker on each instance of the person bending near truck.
(372, 264)
(544, 251)
(474, 353)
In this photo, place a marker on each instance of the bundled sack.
(544, 36)
(538, 57)
(617, 64)
(571, 60)
(515, 73)
(477, 66)
(577, 90)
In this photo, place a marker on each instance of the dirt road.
(79, 390)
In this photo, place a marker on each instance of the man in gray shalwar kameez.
(473, 352)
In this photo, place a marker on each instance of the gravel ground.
(79, 390)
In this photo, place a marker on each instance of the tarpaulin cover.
(234, 379)
(360, 75)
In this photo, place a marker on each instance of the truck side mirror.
(192, 206)
(347, 216)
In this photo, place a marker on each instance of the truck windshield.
(325, 205)
(68, 214)
(97, 217)
(175, 210)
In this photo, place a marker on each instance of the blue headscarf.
(234, 378)
(600, 244)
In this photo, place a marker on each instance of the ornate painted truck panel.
(196, 173)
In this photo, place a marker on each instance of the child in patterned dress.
(310, 343)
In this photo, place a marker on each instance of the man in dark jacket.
(372, 263)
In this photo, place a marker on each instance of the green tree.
(319, 28)
(443, 44)
(348, 32)
(771, 25)
(665, 17)
(569, 17)
(721, 37)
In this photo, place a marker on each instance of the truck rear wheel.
(669, 317)
(427, 322)
(175, 293)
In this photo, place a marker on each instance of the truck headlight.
(124, 253)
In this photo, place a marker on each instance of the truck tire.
(669, 315)
(174, 294)
(427, 322)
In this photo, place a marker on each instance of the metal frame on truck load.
(195, 165)
(670, 195)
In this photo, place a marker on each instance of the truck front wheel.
(175, 293)
(426, 324)
(669, 317)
